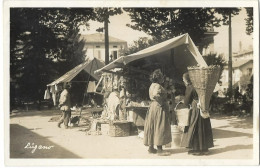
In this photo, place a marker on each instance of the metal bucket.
(176, 136)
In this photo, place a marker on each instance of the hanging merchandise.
(58, 88)
(91, 87)
(52, 89)
(115, 82)
(54, 98)
(47, 94)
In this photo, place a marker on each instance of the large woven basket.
(204, 81)
(119, 129)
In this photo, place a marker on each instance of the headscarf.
(187, 78)
(156, 76)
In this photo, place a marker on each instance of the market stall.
(88, 85)
(129, 75)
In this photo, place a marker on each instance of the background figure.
(157, 128)
(65, 105)
(237, 94)
(113, 105)
(214, 98)
(198, 135)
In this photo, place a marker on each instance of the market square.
(122, 83)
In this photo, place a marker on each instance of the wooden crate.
(104, 129)
(119, 129)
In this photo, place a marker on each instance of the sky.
(238, 34)
(118, 29)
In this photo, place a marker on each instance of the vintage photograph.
(123, 83)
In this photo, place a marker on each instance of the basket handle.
(178, 104)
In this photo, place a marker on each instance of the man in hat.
(65, 104)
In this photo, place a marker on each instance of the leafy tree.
(224, 14)
(43, 45)
(166, 23)
(214, 59)
(249, 21)
(140, 44)
(102, 15)
(227, 14)
(29, 43)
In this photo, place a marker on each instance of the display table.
(136, 115)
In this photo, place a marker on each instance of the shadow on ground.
(177, 150)
(235, 121)
(35, 113)
(21, 136)
(219, 133)
(51, 113)
(230, 148)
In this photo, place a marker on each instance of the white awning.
(182, 57)
(88, 66)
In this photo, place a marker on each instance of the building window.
(97, 46)
(114, 46)
(115, 54)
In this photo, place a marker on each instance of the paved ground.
(233, 139)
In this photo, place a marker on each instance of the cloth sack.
(203, 114)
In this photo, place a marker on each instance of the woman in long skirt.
(157, 128)
(198, 135)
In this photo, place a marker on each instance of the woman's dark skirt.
(198, 135)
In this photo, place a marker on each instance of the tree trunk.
(230, 58)
(106, 40)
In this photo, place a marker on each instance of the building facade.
(95, 46)
(246, 55)
(242, 71)
(206, 47)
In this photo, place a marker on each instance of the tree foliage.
(166, 23)
(224, 13)
(249, 21)
(140, 44)
(214, 59)
(43, 45)
(100, 14)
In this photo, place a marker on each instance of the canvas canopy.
(185, 54)
(88, 66)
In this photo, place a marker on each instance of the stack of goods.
(119, 128)
(204, 80)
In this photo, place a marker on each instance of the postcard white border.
(133, 3)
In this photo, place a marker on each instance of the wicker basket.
(119, 129)
(204, 81)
